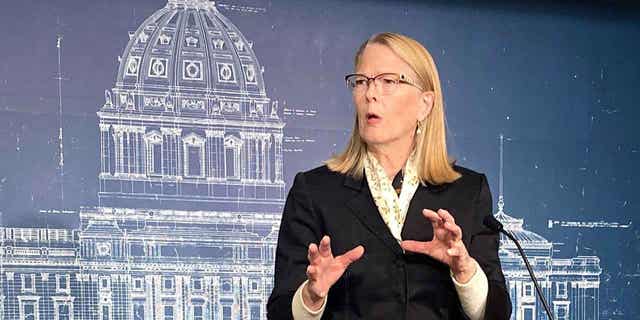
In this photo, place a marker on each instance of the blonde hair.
(434, 165)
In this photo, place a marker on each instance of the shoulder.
(320, 172)
(468, 173)
(320, 184)
(319, 177)
(469, 178)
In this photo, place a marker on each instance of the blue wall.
(559, 81)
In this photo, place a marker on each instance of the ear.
(426, 104)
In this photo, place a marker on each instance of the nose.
(372, 91)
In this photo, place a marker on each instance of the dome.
(187, 59)
(514, 226)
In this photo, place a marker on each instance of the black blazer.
(385, 283)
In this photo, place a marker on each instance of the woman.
(390, 228)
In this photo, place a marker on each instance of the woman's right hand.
(324, 270)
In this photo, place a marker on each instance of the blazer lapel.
(364, 208)
(416, 226)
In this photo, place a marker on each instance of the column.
(105, 149)
(278, 155)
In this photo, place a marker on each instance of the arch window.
(232, 147)
(193, 145)
(153, 147)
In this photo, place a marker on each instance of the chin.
(373, 139)
(380, 136)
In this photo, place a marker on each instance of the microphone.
(492, 223)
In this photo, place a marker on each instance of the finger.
(432, 216)
(423, 247)
(441, 234)
(351, 256)
(313, 254)
(325, 246)
(454, 229)
(312, 272)
(446, 216)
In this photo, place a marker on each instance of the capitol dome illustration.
(189, 59)
(191, 174)
(190, 193)
(188, 121)
(534, 243)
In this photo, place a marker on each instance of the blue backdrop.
(559, 82)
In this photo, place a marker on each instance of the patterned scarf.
(392, 208)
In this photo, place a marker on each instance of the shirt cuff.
(473, 294)
(300, 311)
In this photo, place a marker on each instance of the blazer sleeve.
(299, 227)
(484, 248)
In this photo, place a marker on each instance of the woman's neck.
(392, 157)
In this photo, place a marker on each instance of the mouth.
(372, 116)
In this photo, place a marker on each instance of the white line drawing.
(191, 188)
(588, 224)
(191, 192)
(60, 119)
(570, 285)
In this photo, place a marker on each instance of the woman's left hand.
(446, 246)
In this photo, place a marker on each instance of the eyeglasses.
(387, 83)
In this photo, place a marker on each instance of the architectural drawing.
(190, 195)
(571, 286)
(191, 188)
